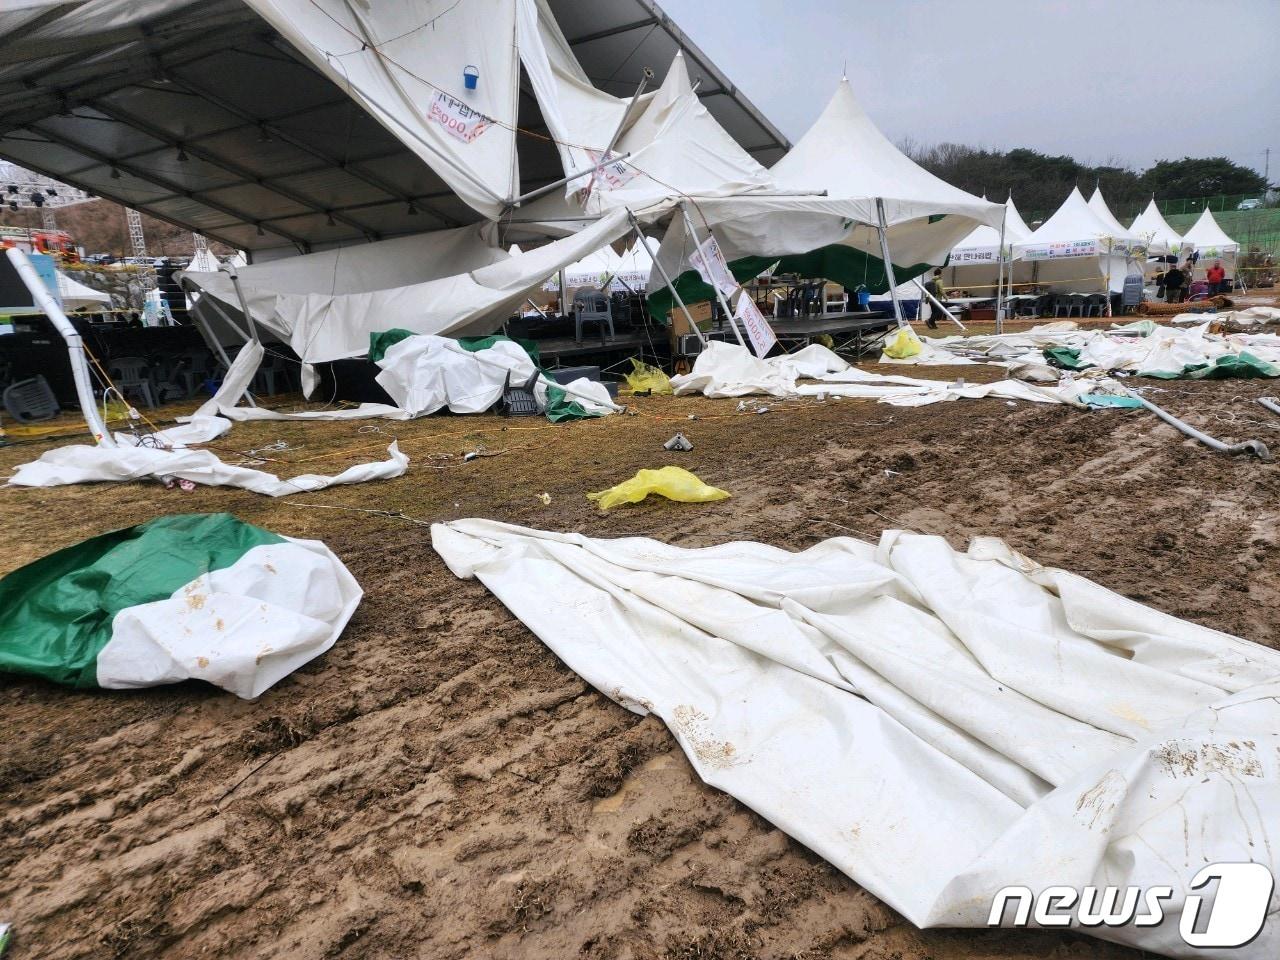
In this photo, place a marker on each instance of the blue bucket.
(471, 77)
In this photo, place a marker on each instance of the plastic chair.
(264, 381)
(29, 401)
(133, 374)
(591, 306)
(519, 399)
(1075, 304)
(193, 368)
(1095, 305)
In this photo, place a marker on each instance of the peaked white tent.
(1211, 243)
(1076, 251)
(833, 190)
(974, 264)
(1099, 206)
(77, 296)
(1151, 227)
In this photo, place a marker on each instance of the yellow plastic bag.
(674, 483)
(902, 344)
(644, 376)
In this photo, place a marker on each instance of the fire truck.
(57, 243)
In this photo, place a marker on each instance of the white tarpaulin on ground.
(167, 456)
(1156, 350)
(728, 370)
(937, 725)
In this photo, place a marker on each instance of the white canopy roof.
(1099, 206)
(1208, 238)
(845, 154)
(1074, 230)
(77, 296)
(983, 244)
(1151, 227)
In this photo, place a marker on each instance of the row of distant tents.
(1081, 244)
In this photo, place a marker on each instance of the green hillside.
(1249, 228)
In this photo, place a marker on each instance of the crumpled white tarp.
(728, 370)
(936, 724)
(1164, 350)
(277, 607)
(166, 453)
(85, 464)
(423, 374)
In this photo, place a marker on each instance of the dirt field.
(440, 785)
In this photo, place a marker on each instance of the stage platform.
(852, 333)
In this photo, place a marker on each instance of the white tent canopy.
(77, 296)
(1209, 239)
(1099, 206)
(974, 265)
(1152, 228)
(846, 157)
(1076, 251)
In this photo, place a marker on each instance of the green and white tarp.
(191, 596)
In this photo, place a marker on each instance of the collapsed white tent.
(937, 725)
(1076, 251)
(322, 326)
(1152, 229)
(974, 264)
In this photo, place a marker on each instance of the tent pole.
(75, 345)
(207, 332)
(1000, 278)
(724, 304)
(666, 279)
(548, 187)
(244, 304)
(888, 264)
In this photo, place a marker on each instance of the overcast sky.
(1096, 79)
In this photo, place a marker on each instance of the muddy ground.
(439, 785)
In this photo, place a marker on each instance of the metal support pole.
(666, 278)
(1255, 447)
(547, 188)
(41, 296)
(724, 304)
(1000, 275)
(207, 332)
(888, 264)
(244, 304)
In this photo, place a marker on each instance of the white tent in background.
(1099, 206)
(974, 264)
(1076, 251)
(1152, 228)
(76, 296)
(861, 174)
(1211, 243)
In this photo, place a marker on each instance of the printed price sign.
(613, 174)
(758, 330)
(712, 267)
(457, 118)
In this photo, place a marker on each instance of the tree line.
(1040, 182)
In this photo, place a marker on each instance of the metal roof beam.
(152, 178)
(213, 159)
(352, 168)
(614, 31)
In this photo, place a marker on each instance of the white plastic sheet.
(936, 724)
(727, 370)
